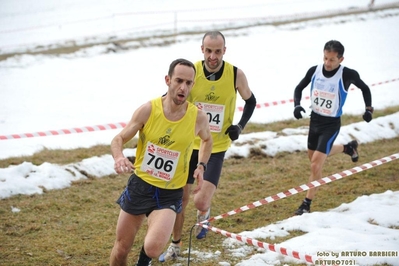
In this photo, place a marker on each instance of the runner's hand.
(199, 176)
(123, 165)
(368, 114)
(234, 131)
(297, 111)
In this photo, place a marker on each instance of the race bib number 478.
(159, 162)
(324, 102)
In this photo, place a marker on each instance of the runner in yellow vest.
(167, 128)
(216, 85)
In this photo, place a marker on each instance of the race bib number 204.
(159, 162)
(215, 114)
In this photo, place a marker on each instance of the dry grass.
(76, 225)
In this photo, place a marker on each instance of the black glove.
(297, 111)
(368, 114)
(234, 131)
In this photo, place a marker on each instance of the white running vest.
(327, 95)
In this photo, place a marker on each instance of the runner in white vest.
(329, 87)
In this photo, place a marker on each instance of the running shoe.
(304, 208)
(351, 150)
(171, 253)
(200, 231)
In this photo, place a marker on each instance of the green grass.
(76, 225)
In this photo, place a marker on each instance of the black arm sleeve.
(302, 85)
(249, 108)
(351, 76)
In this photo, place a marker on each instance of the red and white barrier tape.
(64, 131)
(274, 103)
(281, 195)
(254, 242)
(121, 124)
(305, 187)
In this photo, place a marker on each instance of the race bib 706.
(159, 162)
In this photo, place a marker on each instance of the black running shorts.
(323, 131)
(213, 168)
(139, 197)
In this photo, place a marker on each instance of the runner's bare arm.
(139, 118)
(202, 130)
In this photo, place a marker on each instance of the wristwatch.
(203, 165)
